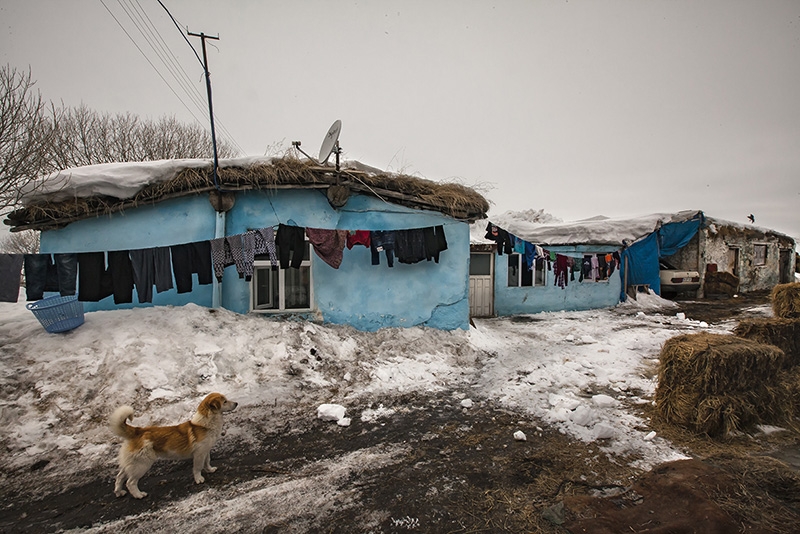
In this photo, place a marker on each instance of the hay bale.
(786, 300)
(783, 333)
(715, 384)
(790, 381)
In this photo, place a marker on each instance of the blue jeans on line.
(43, 274)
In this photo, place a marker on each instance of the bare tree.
(26, 242)
(85, 137)
(37, 138)
(25, 133)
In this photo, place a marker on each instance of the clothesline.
(102, 274)
(598, 266)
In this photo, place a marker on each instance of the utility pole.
(203, 38)
(219, 230)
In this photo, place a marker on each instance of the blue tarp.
(642, 257)
(674, 236)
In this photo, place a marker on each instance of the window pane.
(298, 288)
(513, 270)
(527, 276)
(265, 283)
(760, 254)
(480, 264)
(306, 252)
(541, 268)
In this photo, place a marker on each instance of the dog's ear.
(215, 404)
(212, 403)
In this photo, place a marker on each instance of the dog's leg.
(197, 467)
(120, 483)
(207, 465)
(135, 472)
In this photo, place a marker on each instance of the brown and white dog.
(191, 439)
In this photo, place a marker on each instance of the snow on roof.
(118, 180)
(597, 230)
(62, 197)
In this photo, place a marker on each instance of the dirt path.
(452, 469)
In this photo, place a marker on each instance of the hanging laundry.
(409, 245)
(221, 256)
(586, 273)
(42, 274)
(595, 267)
(94, 280)
(501, 238)
(357, 237)
(151, 266)
(10, 274)
(560, 271)
(530, 255)
(291, 242)
(242, 249)
(162, 269)
(121, 272)
(265, 244)
(517, 244)
(236, 245)
(602, 267)
(382, 241)
(614, 263)
(540, 264)
(248, 254)
(328, 244)
(189, 259)
(435, 242)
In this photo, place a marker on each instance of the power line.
(172, 66)
(150, 62)
(185, 38)
(158, 53)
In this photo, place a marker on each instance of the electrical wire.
(172, 65)
(150, 62)
(150, 34)
(175, 22)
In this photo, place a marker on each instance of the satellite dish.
(330, 142)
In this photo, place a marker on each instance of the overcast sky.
(579, 107)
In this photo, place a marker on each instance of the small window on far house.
(480, 264)
(519, 275)
(759, 254)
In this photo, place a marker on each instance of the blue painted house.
(132, 206)
(554, 266)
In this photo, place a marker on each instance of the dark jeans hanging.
(42, 274)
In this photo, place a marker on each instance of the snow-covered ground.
(580, 372)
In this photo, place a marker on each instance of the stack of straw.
(717, 384)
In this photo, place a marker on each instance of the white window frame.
(519, 272)
(266, 265)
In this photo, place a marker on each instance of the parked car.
(677, 280)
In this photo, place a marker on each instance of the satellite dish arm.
(296, 144)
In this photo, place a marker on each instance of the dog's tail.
(119, 424)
